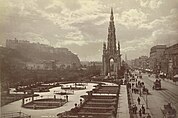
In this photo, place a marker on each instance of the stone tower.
(111, 52)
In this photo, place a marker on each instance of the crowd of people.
(137, 87)
(141, 111)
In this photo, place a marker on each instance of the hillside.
(37, 53)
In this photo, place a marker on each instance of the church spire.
(111, 17)
(111, 47)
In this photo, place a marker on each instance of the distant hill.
(24, 51)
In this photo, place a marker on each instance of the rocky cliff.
(25, 51)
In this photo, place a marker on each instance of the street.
(158, 98)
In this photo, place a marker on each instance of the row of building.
(162, 60)
(49, 65)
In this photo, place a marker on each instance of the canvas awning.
(176, 76)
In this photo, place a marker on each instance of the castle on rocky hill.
(40, 55)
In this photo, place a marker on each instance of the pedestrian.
(140, 112)
(135, 90)
(135, 109)
(67, 98)
(140, 92)
(142, 106)
(132, 84)
(138, 100)
(125, 82)
(143, 109)
(132, 89)
(121, 81)
(132, 109)
(148, 116)
(128, 85)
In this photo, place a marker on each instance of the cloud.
(152, 4)
(127, 49)
(164, 29)
(132, 17)
(155, 4)
(68, 16)
(166, 37)
(139, 44)
(88, 51)
(75, 35)
(69, 42)
(167, 22)
(82, 25)
(35, 38)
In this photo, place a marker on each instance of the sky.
(81, 25)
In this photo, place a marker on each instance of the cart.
(168, 111)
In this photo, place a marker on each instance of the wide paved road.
(157, 98)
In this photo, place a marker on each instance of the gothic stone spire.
(111, 17)
(110, 52)
(111, 35)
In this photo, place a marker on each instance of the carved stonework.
(111, 52)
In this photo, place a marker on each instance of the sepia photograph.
(88, 58)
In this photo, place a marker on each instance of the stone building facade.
(171, 60)
(140, 63)
(156, 54)
(164, 60)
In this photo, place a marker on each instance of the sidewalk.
(123, 108)
(142, 102)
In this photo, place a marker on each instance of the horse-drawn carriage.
(168, 111)
(175, 78)
(157, 84)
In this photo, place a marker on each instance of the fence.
(15, 115)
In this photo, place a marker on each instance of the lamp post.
(146, 100)
(140, 91)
